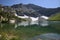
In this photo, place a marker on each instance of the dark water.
(44, 23)
(46, 36)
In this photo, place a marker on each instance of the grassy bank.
(55, 17)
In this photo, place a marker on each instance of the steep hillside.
(34, 10)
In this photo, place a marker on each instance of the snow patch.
(34, 19)
(45, 17)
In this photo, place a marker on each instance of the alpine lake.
(22, 31)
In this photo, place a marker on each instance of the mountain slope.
(31, 9)
(55, 17)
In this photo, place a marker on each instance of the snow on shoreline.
(33, 18)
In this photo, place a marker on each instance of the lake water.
(26, 23)
(47, 36)
(9, 26)
(43, 23)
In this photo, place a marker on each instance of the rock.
(0, 35)
(12, 21)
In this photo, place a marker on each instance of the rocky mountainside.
(31, 10)
(34, 10)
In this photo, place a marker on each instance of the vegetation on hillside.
(55, 17)
(6, 16)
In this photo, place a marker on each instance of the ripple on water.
(48, 36)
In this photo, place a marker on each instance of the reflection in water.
(25, 23)
(44, 23)
(10, 28)
(1, 25)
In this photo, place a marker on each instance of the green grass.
(24, 33)
(55, 17)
